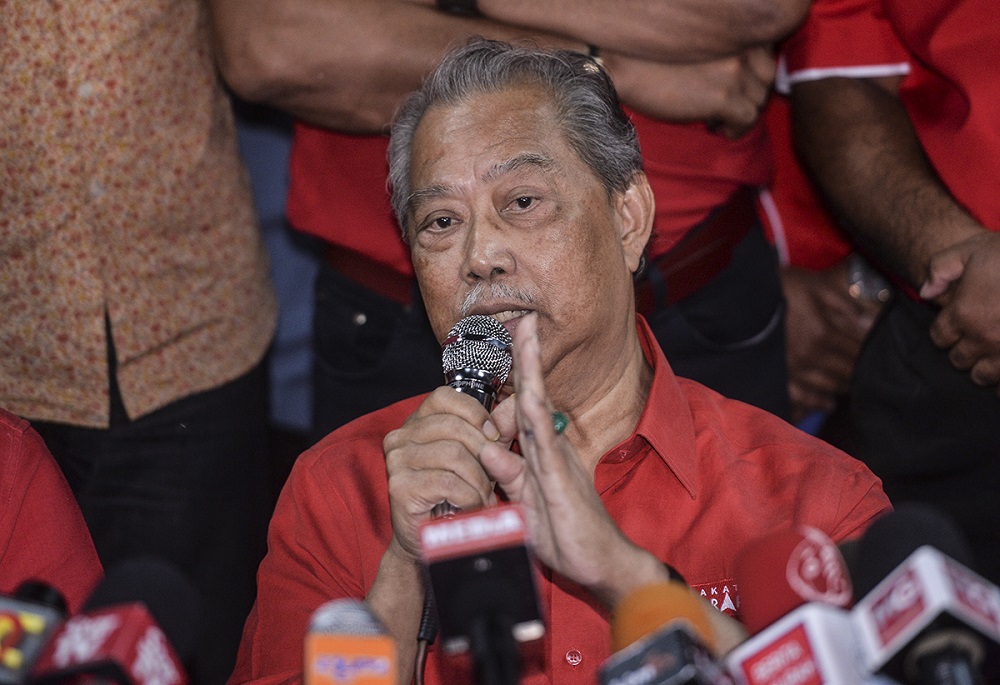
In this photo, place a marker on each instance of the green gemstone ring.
(559, 422)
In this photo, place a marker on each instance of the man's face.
(508, 219)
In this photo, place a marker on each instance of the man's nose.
(488, 252)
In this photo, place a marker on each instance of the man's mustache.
(495, 291)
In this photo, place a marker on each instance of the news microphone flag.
(478, 564)
(788, 568)
(929, 603)
(815, 644)
(25, 628)
(662, 635)
(120, 644)
(346, 644)
(135, 629)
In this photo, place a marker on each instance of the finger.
(944, 331)
(439, 465)
(504, 419)
(986, 371)
(505, 467)
(944, 269)
(962, 355)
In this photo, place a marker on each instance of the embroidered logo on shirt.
(724, 595)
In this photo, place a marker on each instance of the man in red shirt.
(895, 109)
(523, 198)
(693, 77)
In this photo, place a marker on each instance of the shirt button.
(574, 657)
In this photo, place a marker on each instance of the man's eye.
(443, 221)
(524, 201)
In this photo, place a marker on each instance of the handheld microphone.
(931, 620)
(481, 576)
(26, 621)
(121, 635)
(785, 569)
(662, 634)
(476, 357)
(347, 644)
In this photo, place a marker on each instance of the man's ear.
(636, 207)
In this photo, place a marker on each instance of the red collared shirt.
(700, 477)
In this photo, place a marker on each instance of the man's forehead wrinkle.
(421, 194)
(527, 159)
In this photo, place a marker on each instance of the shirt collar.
(666, 423)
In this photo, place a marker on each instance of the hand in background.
(965, 280)
(825, 329)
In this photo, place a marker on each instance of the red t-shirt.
(42, 532)
(338, 187)
(699, 478)
(952, 92)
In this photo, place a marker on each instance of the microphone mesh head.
(478, 342)
(345, 617)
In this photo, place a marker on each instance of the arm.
(856, 138)
(675, 31)
(341, 64)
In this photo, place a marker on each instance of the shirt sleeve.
(42, 533)
(312, 558)
(846, 38)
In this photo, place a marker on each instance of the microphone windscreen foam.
(785, 569)
(649, 608)
(169, 597)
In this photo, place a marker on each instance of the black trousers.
(371, 351)
(927, 430)
(188, 483)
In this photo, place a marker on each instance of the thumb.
(504, 418)
(944, 269)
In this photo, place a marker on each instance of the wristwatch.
(462, 8)
(865, 282)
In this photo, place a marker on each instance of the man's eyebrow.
(527, 159)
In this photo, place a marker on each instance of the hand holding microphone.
(432, 459)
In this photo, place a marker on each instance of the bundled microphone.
(26, 621)
(135, 629)
(476, 357)
(785, 569)
(931, 620)
(347, 644)
(481, 576)
(662, 635)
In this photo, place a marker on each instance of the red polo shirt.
(700, 477)
(42, 532)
